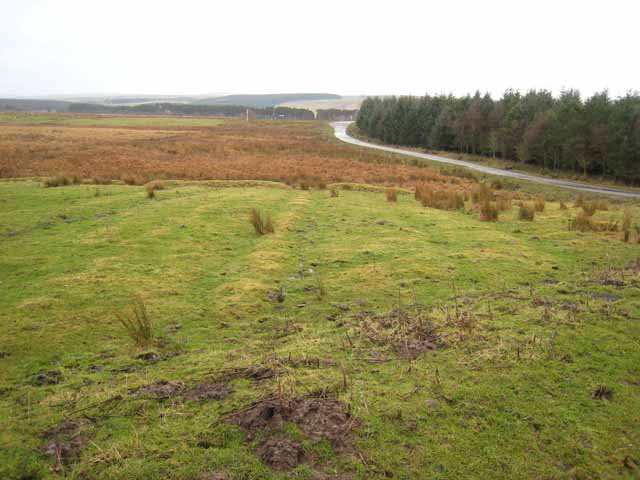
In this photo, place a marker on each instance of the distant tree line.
(285, 113)
(336, 114)
(598, 135)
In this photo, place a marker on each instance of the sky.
(189, 47)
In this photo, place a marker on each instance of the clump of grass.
(261, 222)
(101, 181)
(539, 203)
(391, 194)
(503, 203)
(497, 184)
(442, 199)
(583, 222)
(482, 193)
(152, 187)
(601, 205)
(627, 219)
(563, 206)
(589, 208)
(133, 180)
(62, 181)
(321, 290)
(138, 324)
(488, 211)
(460, 172)
(526, 212)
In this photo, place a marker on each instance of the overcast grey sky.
(347, 47)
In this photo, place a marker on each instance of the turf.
(507, 395)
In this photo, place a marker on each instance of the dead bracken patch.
(64, 441)
(281, 453)
(160, 390)
(209, 391)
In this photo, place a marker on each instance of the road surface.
(340, 129)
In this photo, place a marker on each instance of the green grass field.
(530, 319)
(108, 120)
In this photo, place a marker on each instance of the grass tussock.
(526, 212)
(488, 211)
(152, 187)
(481, 193)
(442, 199)
(101, 180)
(504, 203)
(539, 203)
(133, 180)
(590, 208)
(138, 323)
(584, 222)
(627, 219)
(62, 181)
(391, 194)
(261, 222)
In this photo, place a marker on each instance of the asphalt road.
(340, 129)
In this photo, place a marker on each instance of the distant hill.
(266, 100)
(341, 103)
(20, 105)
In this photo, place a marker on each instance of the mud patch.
(602, 392)
(318, 418)
(47, 377)
(411, 348)
(64, 442)
(209, 391)
(160, 390)
(607, 297)
(256, 373)
(281, 453)
(323, 419)
(213, 476)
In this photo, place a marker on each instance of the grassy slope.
(519, 384)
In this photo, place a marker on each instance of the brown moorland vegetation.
(291, 152)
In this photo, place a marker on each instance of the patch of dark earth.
(65, 441)
(46, 377)
(256, 373)
(281, 453)
(409, 333)
(209, 391)
(165, 389)
(317, 418)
